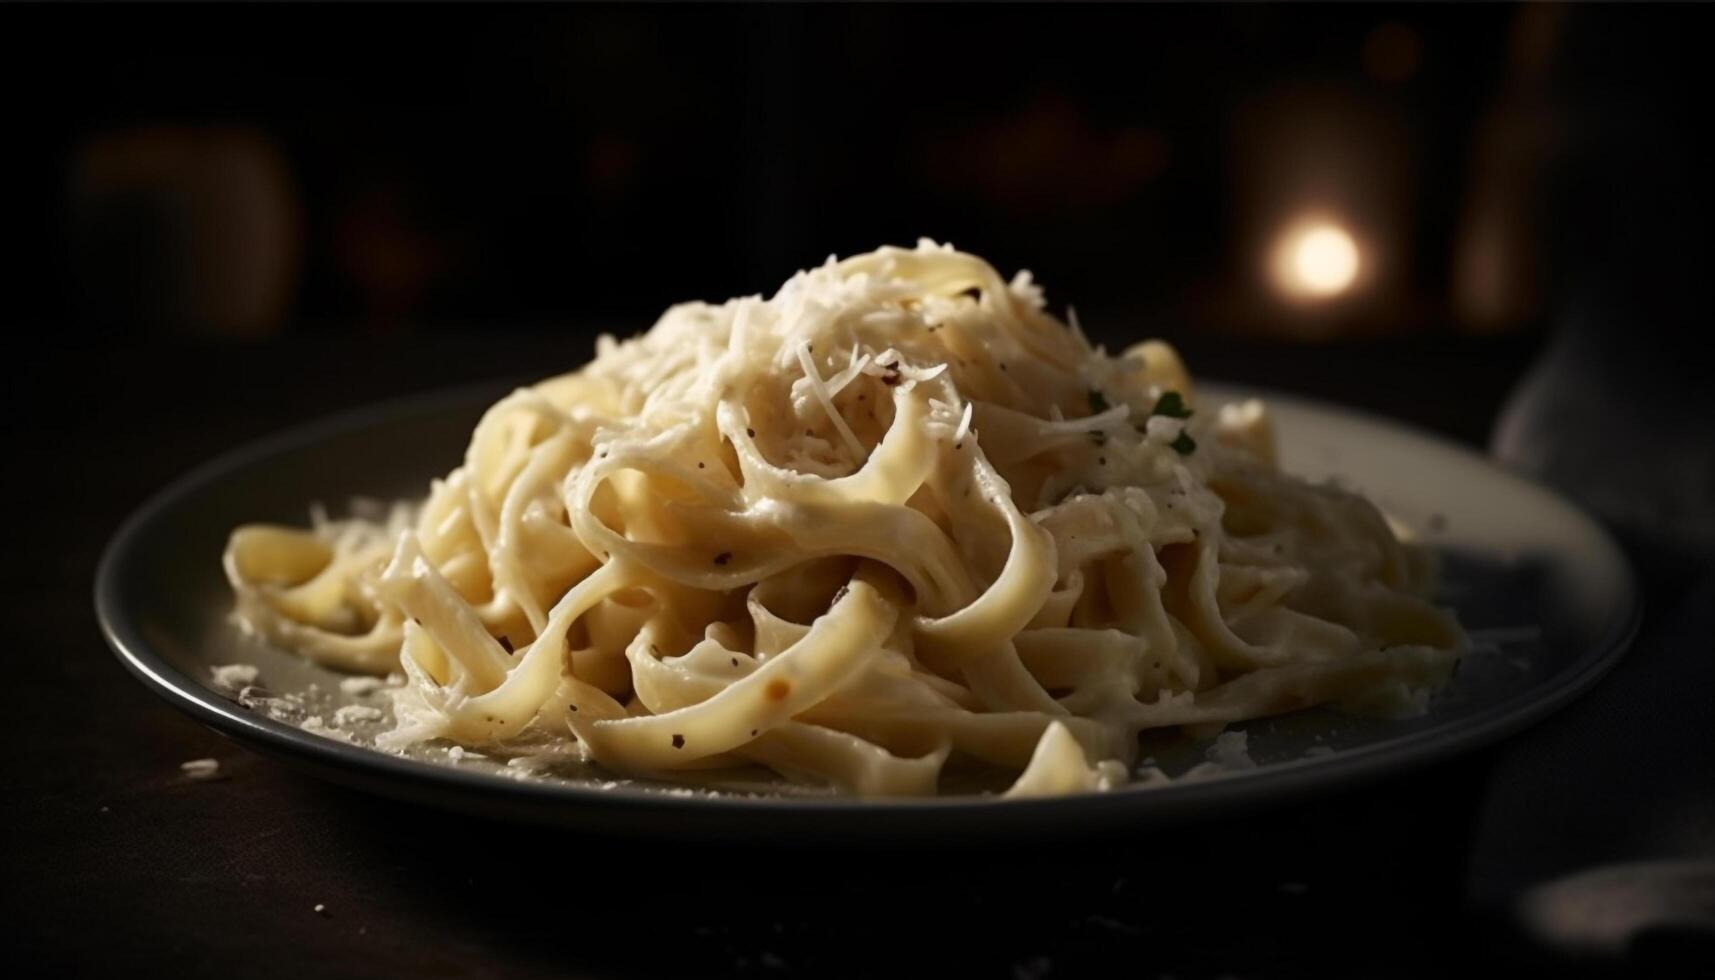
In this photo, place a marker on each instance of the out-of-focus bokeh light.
(1316, 259)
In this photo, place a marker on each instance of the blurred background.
(1489, 220)
(1300, 174)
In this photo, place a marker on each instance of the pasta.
(893, 519)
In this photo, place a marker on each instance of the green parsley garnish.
(1184, 445)
(1098, 403)
(1172, 405)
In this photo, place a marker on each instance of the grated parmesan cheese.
(353, 713)
(814, 378)
(234, 676)
(361, 686)
(202, 770)
(1232, 751)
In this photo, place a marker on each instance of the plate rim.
(845, 817)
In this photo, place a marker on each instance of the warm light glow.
(1326, 260)
(1316, 260)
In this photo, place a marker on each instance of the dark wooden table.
(114, 862)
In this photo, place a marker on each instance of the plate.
(1545, 591)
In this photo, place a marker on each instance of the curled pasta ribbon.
(304, 593)
(1015, 596)
(829, 654)
(1059, 767)
(488, 693)
(891, 474)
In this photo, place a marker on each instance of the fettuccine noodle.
(895, 515)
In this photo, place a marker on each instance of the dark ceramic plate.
(1546, 592)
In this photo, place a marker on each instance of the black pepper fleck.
(723, 558)
(678, 741)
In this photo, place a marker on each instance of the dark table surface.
(114, 861)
